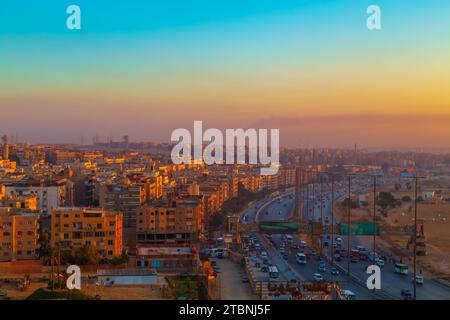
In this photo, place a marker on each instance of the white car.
(317, 277)
(419, 279)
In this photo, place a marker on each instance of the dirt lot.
(435, 216)
(16, 294)
(127, 292)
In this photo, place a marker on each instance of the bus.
(301, 258)
(273, 272)
(401, 268)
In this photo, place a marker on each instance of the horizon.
(308, 68)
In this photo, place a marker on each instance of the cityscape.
(205, 151)
(140, 227)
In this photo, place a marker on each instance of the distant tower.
(126, 140)
(5, 147)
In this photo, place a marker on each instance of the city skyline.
(309, 68)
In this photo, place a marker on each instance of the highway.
(391, 283)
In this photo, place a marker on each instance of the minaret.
(5, 147)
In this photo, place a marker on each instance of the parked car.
(245, 279)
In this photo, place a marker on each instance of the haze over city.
(309, 68)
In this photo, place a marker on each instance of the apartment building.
(60, 157)
(177, 221)
(73, 227)
(49, 194)
(19, 234)
(125, 197)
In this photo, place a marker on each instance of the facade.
(19, 234)
(179, 221)
(123, 197)
(72, 228)
(48, 195)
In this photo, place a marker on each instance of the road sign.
(279, 227)
(360, 229)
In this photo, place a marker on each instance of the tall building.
(72, 228)
(19, 234)
(179, 221)
(49, 194)
(5, 148)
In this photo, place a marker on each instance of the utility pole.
(374, 214)
(321, 213)
(332, 219)
(415, 232)
(348, 222)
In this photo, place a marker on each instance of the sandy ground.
(435, 216)
(126, 292)
(16, 294)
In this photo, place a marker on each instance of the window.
(110, 242)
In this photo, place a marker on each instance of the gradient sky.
(308, 67)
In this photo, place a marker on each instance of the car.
(264, 268)
(380, 262)
(302, 244)
(354, 260)
(321, 268)
(322, 263)
(285, 256)
(313, 253)
(419, 279)
(213, 263)
(217, 269)
(245, 279)
(334, 271)
(263, 254)
(406, 293)
(325, 244)
(317, 277)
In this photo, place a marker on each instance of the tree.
(87, 254)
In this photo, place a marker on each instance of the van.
(300, 258)
(289, 239)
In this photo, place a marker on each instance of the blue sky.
(249, 59)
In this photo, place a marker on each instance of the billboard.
(360, 228)
(278, 227)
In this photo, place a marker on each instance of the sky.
(310, 68)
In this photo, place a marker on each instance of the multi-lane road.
(281, 209)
